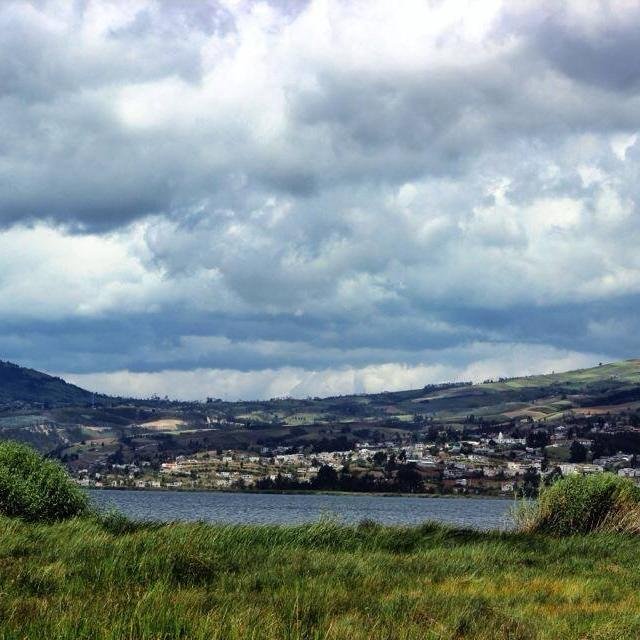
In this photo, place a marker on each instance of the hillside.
(614, 385)
(18, 384)
(607, 384)
(608, 387)
(62, 419)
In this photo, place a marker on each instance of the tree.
(408, 478)
(117, 456)
(432, 434)
(552, 476)
(327, 478)
(537, 439)
(577, 452)
(36, 489)
(391, 464)
(379, 458)
(531, 482)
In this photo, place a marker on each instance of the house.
(568, 468)
(629, 473)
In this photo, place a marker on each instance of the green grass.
(36, 489)
(111, 579)
(623, 371)
(584, 504)
(558, 454)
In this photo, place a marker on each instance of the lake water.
(269, 508)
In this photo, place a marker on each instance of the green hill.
(625, 371)
(51, 414)
(614, 386)
(18, 384)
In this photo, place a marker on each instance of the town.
(494, 464)
(503, 437)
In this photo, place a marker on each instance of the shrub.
(582, 504)
(35, 488)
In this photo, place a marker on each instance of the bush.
(582, 504)
(35, 488)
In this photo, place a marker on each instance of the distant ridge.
(53, 415)
(19, 384)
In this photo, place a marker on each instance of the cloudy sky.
(252, 199)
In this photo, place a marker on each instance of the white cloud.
(45, 273)
(198, 384)
(339, 184)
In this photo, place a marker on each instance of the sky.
(244, 199)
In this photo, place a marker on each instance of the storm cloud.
(253, 198)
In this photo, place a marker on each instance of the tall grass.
(583, 504)
(104, 577)
(87, 579)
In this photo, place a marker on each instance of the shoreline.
(447, 496)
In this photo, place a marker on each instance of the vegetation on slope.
(19, 384)
(622, 371)
(61, 419)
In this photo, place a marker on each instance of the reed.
(583, 504)
(99, 579)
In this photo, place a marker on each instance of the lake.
(269, 508)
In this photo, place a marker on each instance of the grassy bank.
(67, 572)
(84, 578)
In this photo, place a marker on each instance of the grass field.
(87, 579)
(624, 370)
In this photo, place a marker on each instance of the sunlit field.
(100, 578)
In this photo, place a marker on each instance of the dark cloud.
(599, 47)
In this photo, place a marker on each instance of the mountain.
(22, 385)
(62, 419)
(614, 383)
(612, 387)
